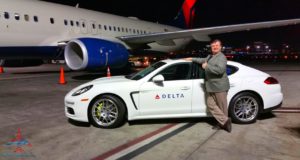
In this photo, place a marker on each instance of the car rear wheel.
(244, 108)
(107, 112)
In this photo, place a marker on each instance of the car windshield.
(141, 74)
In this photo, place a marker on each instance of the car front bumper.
(76, 109)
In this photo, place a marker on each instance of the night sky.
(211, 13)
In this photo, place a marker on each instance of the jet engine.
(93, 53)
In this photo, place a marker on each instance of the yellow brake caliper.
(98, 109)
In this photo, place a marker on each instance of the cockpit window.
(146, 71)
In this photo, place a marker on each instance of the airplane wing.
(201, 34)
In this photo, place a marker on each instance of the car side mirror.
(158, 79)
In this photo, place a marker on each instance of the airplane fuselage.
(30, 23)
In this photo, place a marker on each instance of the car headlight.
(82, 90)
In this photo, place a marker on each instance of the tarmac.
(32, 100)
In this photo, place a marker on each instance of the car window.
(141, 74)
(231, 69)
(197, 71)
(176, 72)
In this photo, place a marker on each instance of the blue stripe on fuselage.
(31, 52)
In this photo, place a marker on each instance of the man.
(216, 84)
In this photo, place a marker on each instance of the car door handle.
(232, 85)
(185, 88)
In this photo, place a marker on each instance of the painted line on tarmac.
(287, 110)
(206, 140)
(143, 143)
(155, 142)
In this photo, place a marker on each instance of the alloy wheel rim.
(105, 112)
(245, 108)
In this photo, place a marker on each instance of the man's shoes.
(227, 125)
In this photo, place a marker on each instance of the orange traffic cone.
(62, 76)
(1, 70)
(108, 72)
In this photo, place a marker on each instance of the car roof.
(173, 61)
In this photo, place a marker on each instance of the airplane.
(33, 30)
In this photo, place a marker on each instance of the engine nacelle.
(92, 53)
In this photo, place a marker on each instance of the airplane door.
(83, 26)
(172, 96)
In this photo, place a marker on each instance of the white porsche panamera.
(170, 89)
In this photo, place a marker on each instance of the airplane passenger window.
(109, 28)
(72, 23)
(26, 17)
(130, 30)
(6, 15)
(77, 23)
(134, 31)
(83, 24)
(127, 30)
(119, 29)
(66, 22)
(122, 29)
(52, 20)
(114, 28)
(100, 26)
(105, 27)
(94, 26)
(138, 32)
(17, 16)
(35, 18)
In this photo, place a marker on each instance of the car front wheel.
(244, 108)
(107, 112)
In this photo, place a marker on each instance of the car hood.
(114, 79)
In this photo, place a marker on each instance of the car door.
(171, 96)
(198, 95)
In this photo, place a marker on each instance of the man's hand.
(204, 65)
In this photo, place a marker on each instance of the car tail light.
(271, 80)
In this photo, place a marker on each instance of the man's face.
(215, 47)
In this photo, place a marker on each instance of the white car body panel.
(184, 98)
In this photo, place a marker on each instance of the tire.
(106, 111)
(244, 108)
